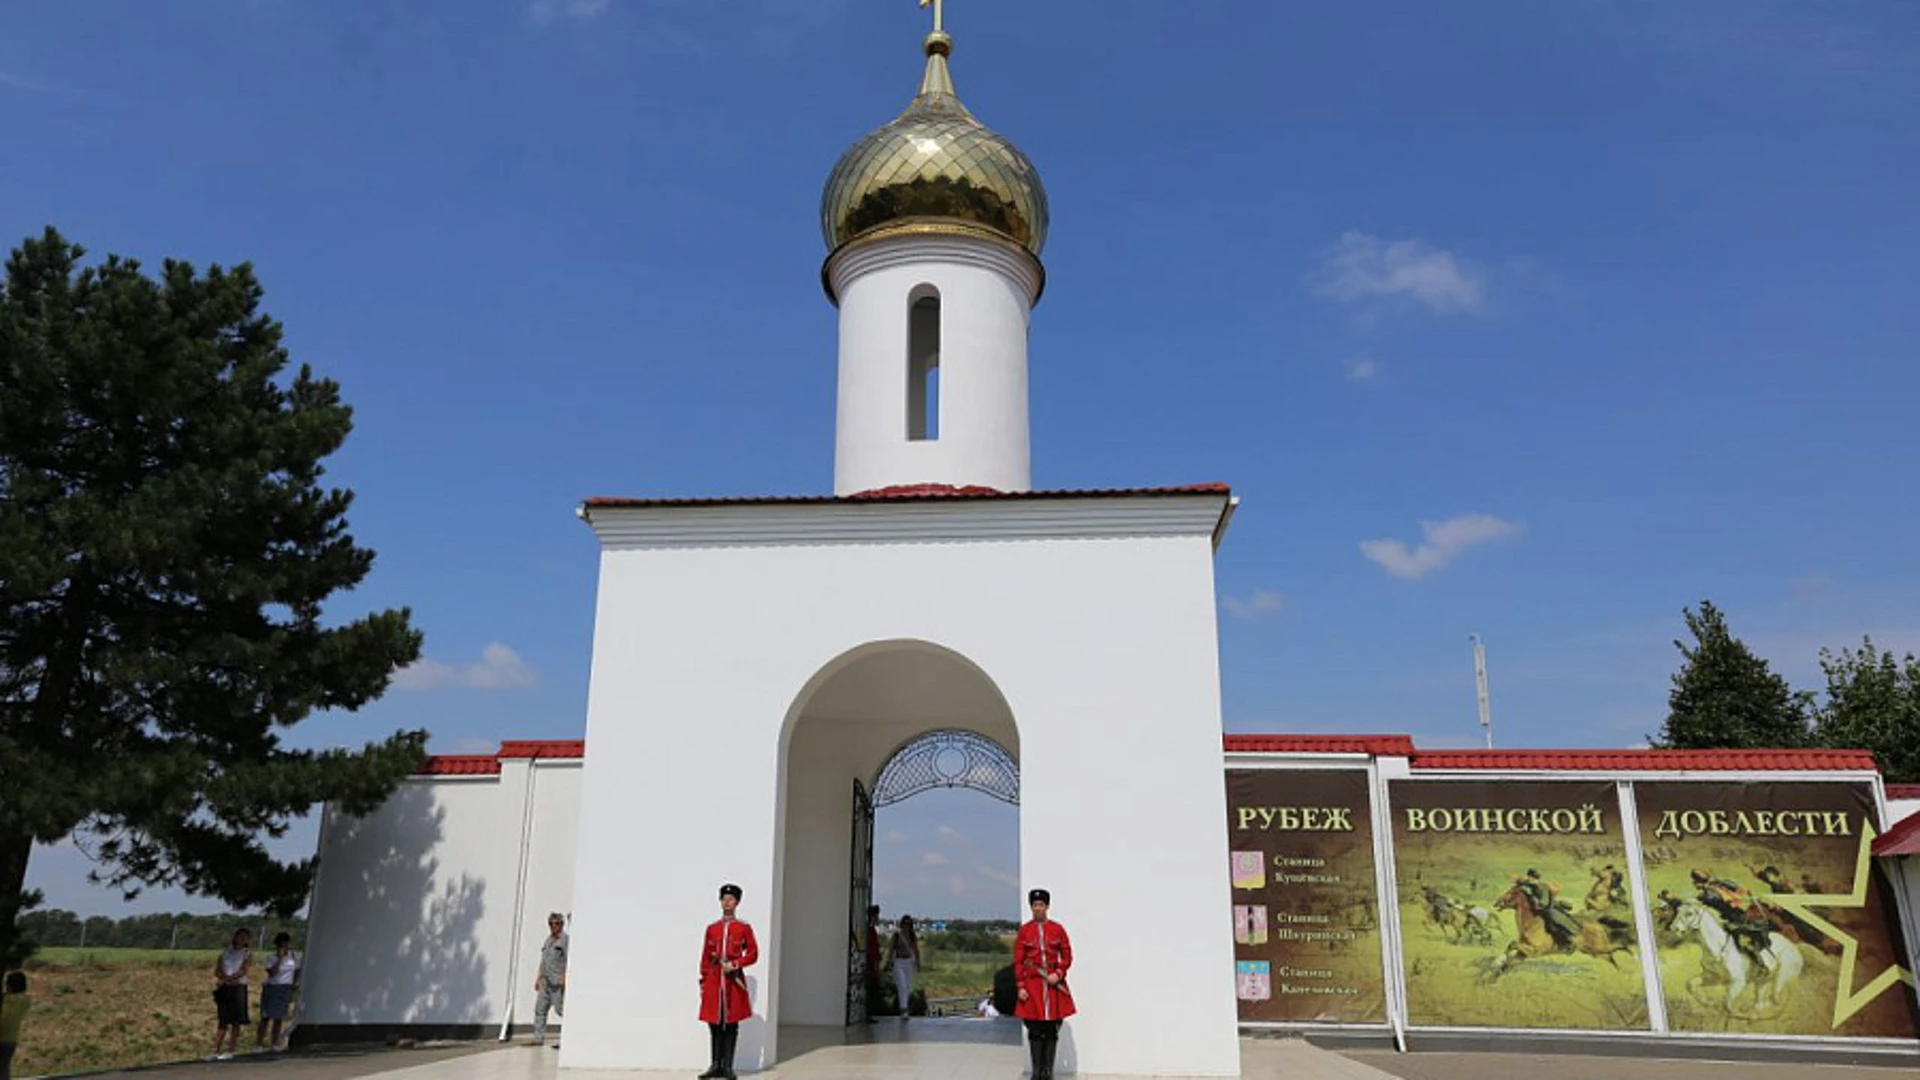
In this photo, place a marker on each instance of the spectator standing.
(873, 960)
(276, 997)
(14, 1004)
(230, 971)
(904, 955)
(550, 986)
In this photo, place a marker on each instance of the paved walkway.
(971, 1050)
(1438, 1066)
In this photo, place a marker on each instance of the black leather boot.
(714, 1041)
(1037, 1050)
(728, 1039)
(1047, 1049)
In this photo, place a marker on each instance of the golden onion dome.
(935, 164)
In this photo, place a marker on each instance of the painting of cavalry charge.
(1772, 917)
(1515, 906)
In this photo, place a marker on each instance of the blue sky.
(1537, 321)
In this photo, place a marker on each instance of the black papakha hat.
(1039, 896)
(730, 890)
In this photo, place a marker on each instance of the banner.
(1514, 905)
(1306, 925)
(1772, 917)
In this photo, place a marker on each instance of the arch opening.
(880, 725)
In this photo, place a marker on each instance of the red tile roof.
(489, 764)
(1902, 839)
(460, 765)
(1377, 745)
(1903, 791)
(1649, 760)
(544, 748)
(906, 493)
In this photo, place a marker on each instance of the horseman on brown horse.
(1545, 927)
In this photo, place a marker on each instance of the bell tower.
(934, 226)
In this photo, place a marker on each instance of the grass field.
(106, 1008)
(957, 974)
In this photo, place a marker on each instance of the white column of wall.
(816, 876)
(987, 291)
(679, 796)
(1123, 819)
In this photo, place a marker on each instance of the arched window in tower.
(923, 363)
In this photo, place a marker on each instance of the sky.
(1534, 321)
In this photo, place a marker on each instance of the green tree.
(166, 547)
(1873, 703)
(1725, 697)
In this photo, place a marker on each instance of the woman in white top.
(230, 993)
(905, 958)
(276, 997)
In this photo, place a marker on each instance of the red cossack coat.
(1041, 947)
(726, 940)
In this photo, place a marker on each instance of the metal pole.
(1480, 687)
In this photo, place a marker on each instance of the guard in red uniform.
(1041, 956)
(725, 954)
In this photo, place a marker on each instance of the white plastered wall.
(414, 906)
(709, 642)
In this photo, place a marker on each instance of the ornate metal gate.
(945, 758)
(862, 897)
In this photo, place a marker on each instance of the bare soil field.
(109, 1008)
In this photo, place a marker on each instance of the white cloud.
(1361, 268)
(1362, 369)
(1443, 541)
(499, 668)
(1253, 606)
(543, 12)
(895, 836)
(933, 858)
(952, 837)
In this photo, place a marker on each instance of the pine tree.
(1725, 697)
(1873, 703)
(166, 549)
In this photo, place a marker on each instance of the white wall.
(1105, 650)
(986, 291)
(414, 906)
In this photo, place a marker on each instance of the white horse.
(1772, 977)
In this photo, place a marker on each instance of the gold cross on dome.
(938, 7)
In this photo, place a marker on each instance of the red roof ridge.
(904, 493)
(1768, 760)
(511, 749)
(459, 765)
(1902, 839)
(1903, 791)
(1291, 743)
(543, 748)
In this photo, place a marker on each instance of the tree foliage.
(166, 548)
(1872, 702)
(1724, 696)
(175, 931)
